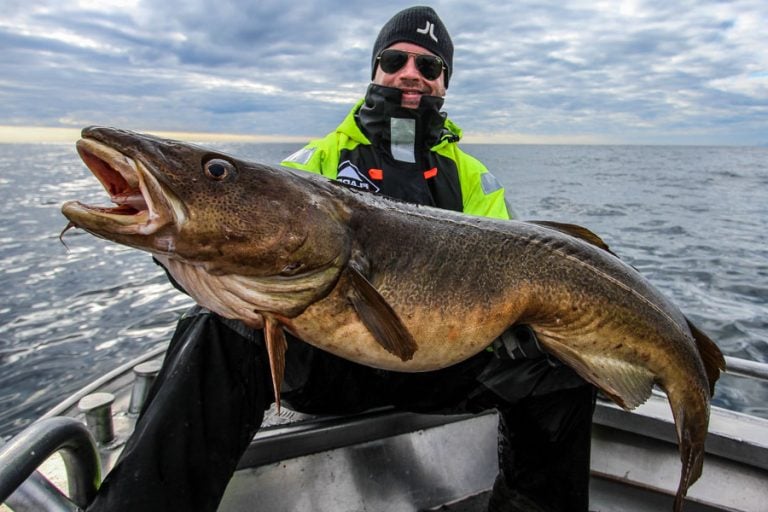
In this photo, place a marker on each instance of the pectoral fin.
(379, 317)
(276, 347)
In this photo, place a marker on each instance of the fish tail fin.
(691, 412)
(713, 359)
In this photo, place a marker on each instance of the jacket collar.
(438, 128)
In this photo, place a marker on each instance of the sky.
(586, 71)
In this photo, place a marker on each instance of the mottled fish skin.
(394, 285)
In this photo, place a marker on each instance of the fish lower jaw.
(106, 221)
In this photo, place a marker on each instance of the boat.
(387, 460)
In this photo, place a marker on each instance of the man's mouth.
(411, 98)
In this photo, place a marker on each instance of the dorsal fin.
(713, 359)
(575, 231)
(379, 317)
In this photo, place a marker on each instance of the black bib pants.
(214, 386)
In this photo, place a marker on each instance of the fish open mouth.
(141, 205)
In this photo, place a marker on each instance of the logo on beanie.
(429, 28)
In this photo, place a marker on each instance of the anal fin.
(627, 384)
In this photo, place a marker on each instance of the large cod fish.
(393, 285)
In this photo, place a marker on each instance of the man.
(396, 141)
(210, 397)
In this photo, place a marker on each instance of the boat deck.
(392, 461)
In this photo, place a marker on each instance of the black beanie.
(417, 25)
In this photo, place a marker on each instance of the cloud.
(633, 71)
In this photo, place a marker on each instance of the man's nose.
(410, 70)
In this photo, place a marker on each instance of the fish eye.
(218, 169)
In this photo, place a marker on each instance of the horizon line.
(10, 134)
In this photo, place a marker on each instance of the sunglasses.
(429, 66)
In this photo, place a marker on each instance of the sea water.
(693, 220)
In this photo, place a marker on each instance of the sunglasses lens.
(429, 66)
(392, 61)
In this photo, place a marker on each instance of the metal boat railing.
(746, 368)
(23, 454)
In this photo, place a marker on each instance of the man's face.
(408, 78)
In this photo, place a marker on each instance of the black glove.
(518, 342)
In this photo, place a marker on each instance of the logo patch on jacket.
(350, 175)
